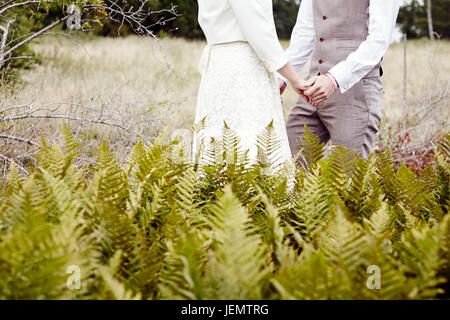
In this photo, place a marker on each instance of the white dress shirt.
(252, 21)
(382, 20)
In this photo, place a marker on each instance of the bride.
(239, 85)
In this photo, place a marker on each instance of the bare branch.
(8, 137)
(35, 35)
(7, 3)
(8, 6)
(5, 32)
(9, 160)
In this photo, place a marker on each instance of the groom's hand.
(322, 89)
(300, 86)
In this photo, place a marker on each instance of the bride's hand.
(300, 86)
(282, 86)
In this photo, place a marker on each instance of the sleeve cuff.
(342, 79)
(277, 65)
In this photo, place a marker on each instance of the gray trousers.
(349, 120)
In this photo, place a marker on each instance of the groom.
(347, 40)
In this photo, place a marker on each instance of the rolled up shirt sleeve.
(382, 20)
(255, 18)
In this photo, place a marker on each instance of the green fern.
(112, 185)
(363, 193)
(311, 149)
(158, 227)
(237, 268)
(424, 256)
(313, 204)
(182, 274)
(269, 151)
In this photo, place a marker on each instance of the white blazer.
(225, 21)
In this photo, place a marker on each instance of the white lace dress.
(238, 88)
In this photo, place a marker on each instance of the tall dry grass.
(154, 85)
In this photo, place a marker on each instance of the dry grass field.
(145, 86)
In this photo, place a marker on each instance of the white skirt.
(238, 89)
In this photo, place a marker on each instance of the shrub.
(160, 228)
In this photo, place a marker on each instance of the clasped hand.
(315, 90)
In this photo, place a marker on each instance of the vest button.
(321, 39)
(324, 18)
(320, 61)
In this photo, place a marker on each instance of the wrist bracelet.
(329, 75)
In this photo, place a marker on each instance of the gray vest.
(341, 26)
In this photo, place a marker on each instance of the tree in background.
(186, 26)
(430, 20)
(285, 13)
(414, 20)
(21, 22)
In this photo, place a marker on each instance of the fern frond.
(393, 283)
(339, 167)
(70, 143)
(444, 145)
(57, 160)
(384, 169)
(141, 259)
(239, 256)
(304, 277)
(59, 196)
(363, 194)
(199, 126)
(211, 152)
(312, 149)
(344, 247)
(414, 194)
(272, 233)
(442, 156)
(118, 289)
(379, 224)
(187, 191)
(269, 147)
(14, 179)
(422, 251)
(313, 205)
(24, 203)
(35, 252)
(112, 181)
(181, 277)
